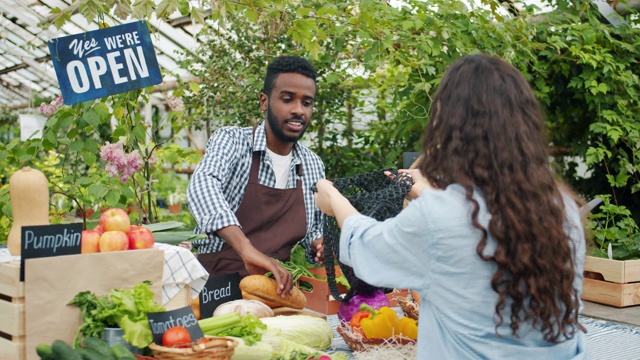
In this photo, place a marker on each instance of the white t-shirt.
(281, 166)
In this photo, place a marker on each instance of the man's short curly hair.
(287, 64)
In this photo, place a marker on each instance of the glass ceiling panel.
(25, 65)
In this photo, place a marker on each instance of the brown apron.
(273, 219)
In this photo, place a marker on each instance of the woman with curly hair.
(492, 242)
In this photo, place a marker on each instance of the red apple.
(140, 238)
(90, 242)
(114, 241)
(98, 228)
(115, 219)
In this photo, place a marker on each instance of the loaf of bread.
(266, 289)
(270, 304)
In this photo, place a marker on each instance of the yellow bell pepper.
(409, 328)
(381, 323)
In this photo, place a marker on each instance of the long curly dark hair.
(486, 133)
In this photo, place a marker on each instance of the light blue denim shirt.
(431, 247)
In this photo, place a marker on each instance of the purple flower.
(118, 163)
(50, 108)
(175, 103)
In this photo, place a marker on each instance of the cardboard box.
(611, 282)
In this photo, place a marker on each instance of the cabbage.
(305, 330)
(376, 300)
(288, 349)
(260, 350)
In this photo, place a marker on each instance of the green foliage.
(380, 64)
(378, 67)
(615, 227)
(69, 156)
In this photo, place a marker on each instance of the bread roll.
(270, 304)
(266, 288)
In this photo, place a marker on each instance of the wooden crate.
(612, 282)
(12, 313)
(320, 299)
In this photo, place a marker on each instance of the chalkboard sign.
(49, 240)
(219, 290)
(160, 322)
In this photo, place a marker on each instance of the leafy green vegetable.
(289, 350)
(247, 327)
(126, 309)
(275, 347)
(342, 280)
(305, 330)
(297, 265)
(259, 351)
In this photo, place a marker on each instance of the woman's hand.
(324, 196)
(420, 183)
(332, 202)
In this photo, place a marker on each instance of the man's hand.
(255, 261)
(258, 263)
(317, 247)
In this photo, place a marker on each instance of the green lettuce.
(123, 308)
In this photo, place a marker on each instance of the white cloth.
(181, 267)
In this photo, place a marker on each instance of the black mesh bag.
(373, 194)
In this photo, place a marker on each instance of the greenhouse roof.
(27, 72)
(26, 69)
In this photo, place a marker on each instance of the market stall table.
(606, 340)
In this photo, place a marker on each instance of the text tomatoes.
(177, 335)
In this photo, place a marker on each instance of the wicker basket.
(356, 342)
(142, 357)
(409, 307)
(216, 348)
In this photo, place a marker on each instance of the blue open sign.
(104, 62)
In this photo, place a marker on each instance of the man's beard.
(275, 126)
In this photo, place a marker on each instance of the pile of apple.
(115, 233)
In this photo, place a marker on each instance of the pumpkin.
(29, 192)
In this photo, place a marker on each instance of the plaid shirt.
(219, 181)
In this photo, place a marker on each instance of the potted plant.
(612, 265)
(175, 201)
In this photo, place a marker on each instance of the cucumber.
(62, 350)
(99, 346)
(45, 352)
(121, 352)
(90, 354)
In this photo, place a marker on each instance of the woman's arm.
(332, 202)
